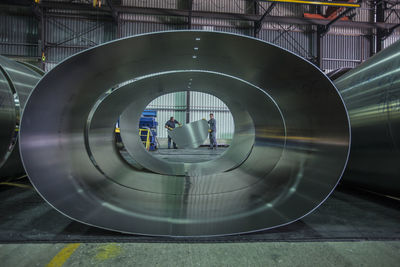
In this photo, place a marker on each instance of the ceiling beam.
(258, 23)
(105, 10)
(317, 3)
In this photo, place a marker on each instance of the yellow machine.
(145, 136)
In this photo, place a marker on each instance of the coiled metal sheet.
(372, 95)
(16, 82)
(291, 131)
(190, 135)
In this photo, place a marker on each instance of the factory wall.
(19, 36)
(201, 105)
(392, 17)
(68, 32)
(67, 36)
(344, 48)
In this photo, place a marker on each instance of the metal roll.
(208, 82)
(372, 95)
(32, 67)
(283, 106)
(142, 91)
(190, 135)
(16, 82)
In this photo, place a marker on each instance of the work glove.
(169, 128)
(180, 125)
(204, 119)
(209, 130)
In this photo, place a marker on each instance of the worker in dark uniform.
(170, 125)
(213, 132)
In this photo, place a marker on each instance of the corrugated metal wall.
(132, 24)
(67, 32)
(341, 51)
(171, 4)
(392, 17)
(286, 9)
(67, 36)
(293, 38)
(201, 105)
(19, 36)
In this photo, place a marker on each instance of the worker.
(170, 125)
(213, 132)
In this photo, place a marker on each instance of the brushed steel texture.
(291, 129)
(16, 82)
(190, 135)
(372, 96)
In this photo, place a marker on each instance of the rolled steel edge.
(17, 81)
(371, 93)
(314, 142)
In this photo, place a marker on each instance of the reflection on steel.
(333, 75)
(16, 82)
(190, 135)
(7, 119)
(32, 67)
(372, 95)
(289, 150)
(146, 89)
(243, 113)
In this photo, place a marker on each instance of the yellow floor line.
(17, 185)
(13, 178)
(63, 255)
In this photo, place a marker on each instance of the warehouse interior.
(199, 132)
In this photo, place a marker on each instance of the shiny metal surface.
(372, 96)
(190, 135)
(23, 78)
(32, 67)
(16, 82)
(289, 111)
(7, 118)
(217, 84)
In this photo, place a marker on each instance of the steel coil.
(290, 146)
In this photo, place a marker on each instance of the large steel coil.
(290, 145)
(372, 95)
(17, 80)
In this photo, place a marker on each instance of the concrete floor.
(323, 253)
(366, 253)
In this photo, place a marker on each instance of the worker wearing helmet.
(170, 125)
